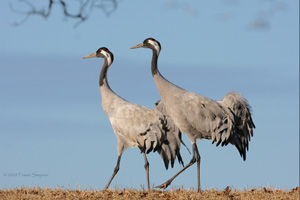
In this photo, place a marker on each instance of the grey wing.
(206, 118)
(137, 125)
(170, 148)
(225, 121)
(243, 123)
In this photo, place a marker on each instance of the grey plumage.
(135, 125)
(170, 149)
(223, 122)
(243, 124)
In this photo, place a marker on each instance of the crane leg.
(196, 157)
(147, 170)
(115, 172)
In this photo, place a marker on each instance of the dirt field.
(227, 193)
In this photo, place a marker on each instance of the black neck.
(154, 68)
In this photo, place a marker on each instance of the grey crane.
(137, 126)
(223, 122)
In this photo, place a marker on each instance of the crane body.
(226, 121)
(137, 126)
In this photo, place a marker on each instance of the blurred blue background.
(53, 129)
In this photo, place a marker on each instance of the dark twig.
(32, 11)
(85, 9)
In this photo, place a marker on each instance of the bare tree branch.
(107, 6)
(85, 9)
(81, 10)
(32, 11)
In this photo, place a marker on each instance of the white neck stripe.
(107, 56)
(155, 45)
(108, 59)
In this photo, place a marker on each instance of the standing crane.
(223, 122)
(135, 125)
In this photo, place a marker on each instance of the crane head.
(102, 52)
(149, 43)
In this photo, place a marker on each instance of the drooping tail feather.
(170, 148)
(243, 123)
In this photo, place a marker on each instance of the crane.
(137, 126)
(226, 121)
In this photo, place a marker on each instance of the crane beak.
(137, 46)
(90, 56)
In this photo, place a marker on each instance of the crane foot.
(164, 185)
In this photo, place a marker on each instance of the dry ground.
(58, 193)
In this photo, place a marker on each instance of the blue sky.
(52, 123)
